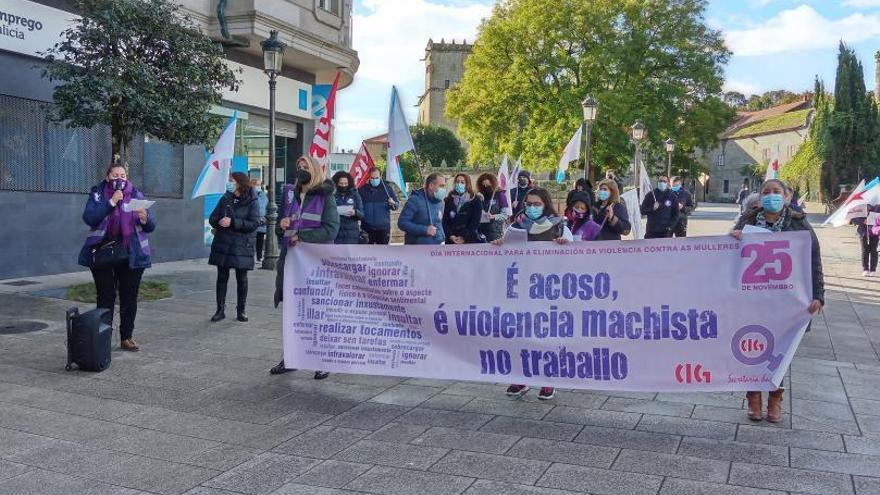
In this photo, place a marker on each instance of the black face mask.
(303, 177)
(342, 189)
(523, 182)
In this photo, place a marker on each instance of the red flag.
(320, 147)
(362, 166)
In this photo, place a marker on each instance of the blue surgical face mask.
(230, 186)
(661, 186)
(459, 188)
(772, 202)
(440, 194)
(676, 188)
(603, 195)
(375, 182)
(534, 212)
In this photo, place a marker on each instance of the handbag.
(108, 254)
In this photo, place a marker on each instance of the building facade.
(755, 138)
(46, 170)
(444, 69)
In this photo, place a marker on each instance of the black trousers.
(657, 235)
(681, 230)
(869, 253)
(241, 286)
(261, 238)
(127, 281)
(379, 236)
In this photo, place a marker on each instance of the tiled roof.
(746, 119)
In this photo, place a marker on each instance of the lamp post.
(590, 107)
(273, 54)
(670, 147)
(638, 134)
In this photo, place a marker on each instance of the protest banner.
(690, 314)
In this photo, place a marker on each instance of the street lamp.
(590, 107)
(670, 147)
(638, 134)
(273, 58)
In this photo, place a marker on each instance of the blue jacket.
(377, 211)
(262, 205)
(418, 214)
(349, 227)
(97, 209)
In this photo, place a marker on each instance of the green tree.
(139, 68)
(535, 60)
(436, 144)
(853, 122)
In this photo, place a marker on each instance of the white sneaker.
(872, 274)
(866, 273)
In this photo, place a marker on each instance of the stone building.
(754, 138)
(444, 69)
(46, 170)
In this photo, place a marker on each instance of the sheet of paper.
(751, 229)
(515, 236)
(484, 217)
(872, 218)
(137, 204)
(344, 210)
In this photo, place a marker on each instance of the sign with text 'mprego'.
(690, 314)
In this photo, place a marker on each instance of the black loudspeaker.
(88, 339)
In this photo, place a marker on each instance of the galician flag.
(320, 148)
(571, 153)
(215, 173)
(399, 142)
(855, 205)
(506, 182)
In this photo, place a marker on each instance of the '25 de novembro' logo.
(770, 265)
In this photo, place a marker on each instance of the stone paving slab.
(196, 412)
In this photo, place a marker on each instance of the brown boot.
(755, 403)
(774, 406)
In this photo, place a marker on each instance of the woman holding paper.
(774, 215)
(117, 250)
(235, 220)
(309, 215)
(462, 212)
(495, 207)
(350, 208)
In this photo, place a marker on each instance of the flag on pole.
(505, 182)
(514, 174)
(772, 169)
(571, 153)
(644, 182)
(399, 141)
(215, 173)
(320, 148)
(632, 202)
(362, 166)
(855, 204)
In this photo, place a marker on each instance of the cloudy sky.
(777, 44)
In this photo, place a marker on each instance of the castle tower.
(444, 68)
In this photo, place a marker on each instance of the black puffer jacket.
(795, 221)
(233, 246)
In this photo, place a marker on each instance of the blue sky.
(777, 44)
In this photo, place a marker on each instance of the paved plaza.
(196, 411)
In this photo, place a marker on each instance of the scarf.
(120, 223)
(761, 221)
(459, 199)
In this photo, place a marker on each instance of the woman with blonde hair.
(610, 212)
(308, 214)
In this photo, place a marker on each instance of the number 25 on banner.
(770, 262)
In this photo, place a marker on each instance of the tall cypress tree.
(853, 119)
